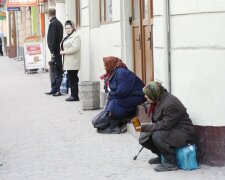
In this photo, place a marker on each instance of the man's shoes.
(57, 94)
(51, 92)
(71, 98)
(165, 167)
(156, 160)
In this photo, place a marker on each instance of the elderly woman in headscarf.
(171, 127)
(125, 93)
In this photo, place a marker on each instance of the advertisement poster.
(19, 3)
(34, 57)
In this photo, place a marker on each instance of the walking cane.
(135, 157)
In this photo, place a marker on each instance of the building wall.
(100, 40)
(23, 25)
(198, 58)
(106, 41)
(84, 30)
(197, 71)
(197, 55)
(70, 10)
(160, 43)
(60, 11)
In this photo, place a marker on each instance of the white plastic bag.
(64, 84)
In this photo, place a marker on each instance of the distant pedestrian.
(1, 52)
(54, 38)
(70, 49)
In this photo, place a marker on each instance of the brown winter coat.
(171, 119)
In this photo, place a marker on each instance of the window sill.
(106, 22)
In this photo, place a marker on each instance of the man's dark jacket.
(54, 38)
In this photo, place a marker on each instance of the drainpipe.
(167, 55)
(19, 56)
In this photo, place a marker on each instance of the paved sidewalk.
(46, 138)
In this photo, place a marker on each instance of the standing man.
(54, 38)
(1, 46)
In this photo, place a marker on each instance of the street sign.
(13, 8)
(19, 3)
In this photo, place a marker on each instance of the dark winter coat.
(54, 38)
(126, 92)
(1, 46)
(171, 119)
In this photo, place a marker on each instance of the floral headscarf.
(112, 63)
(153, 91)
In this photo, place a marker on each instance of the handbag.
(101, 121)
(64, 84)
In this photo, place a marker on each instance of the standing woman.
(70, 49)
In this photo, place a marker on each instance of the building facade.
(179, 43)
(197, 53)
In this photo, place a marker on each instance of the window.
(77, 13)
(105, 11)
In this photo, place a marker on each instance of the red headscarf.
(112, 63)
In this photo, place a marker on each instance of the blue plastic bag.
(186, 157)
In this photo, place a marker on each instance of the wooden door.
(137, 44)
(142, 39)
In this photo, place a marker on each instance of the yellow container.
(136, 123)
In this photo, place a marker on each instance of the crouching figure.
(171, 127)
(125, 93)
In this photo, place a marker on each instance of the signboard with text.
(19, 3)
(13, 8)
(34, 56)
